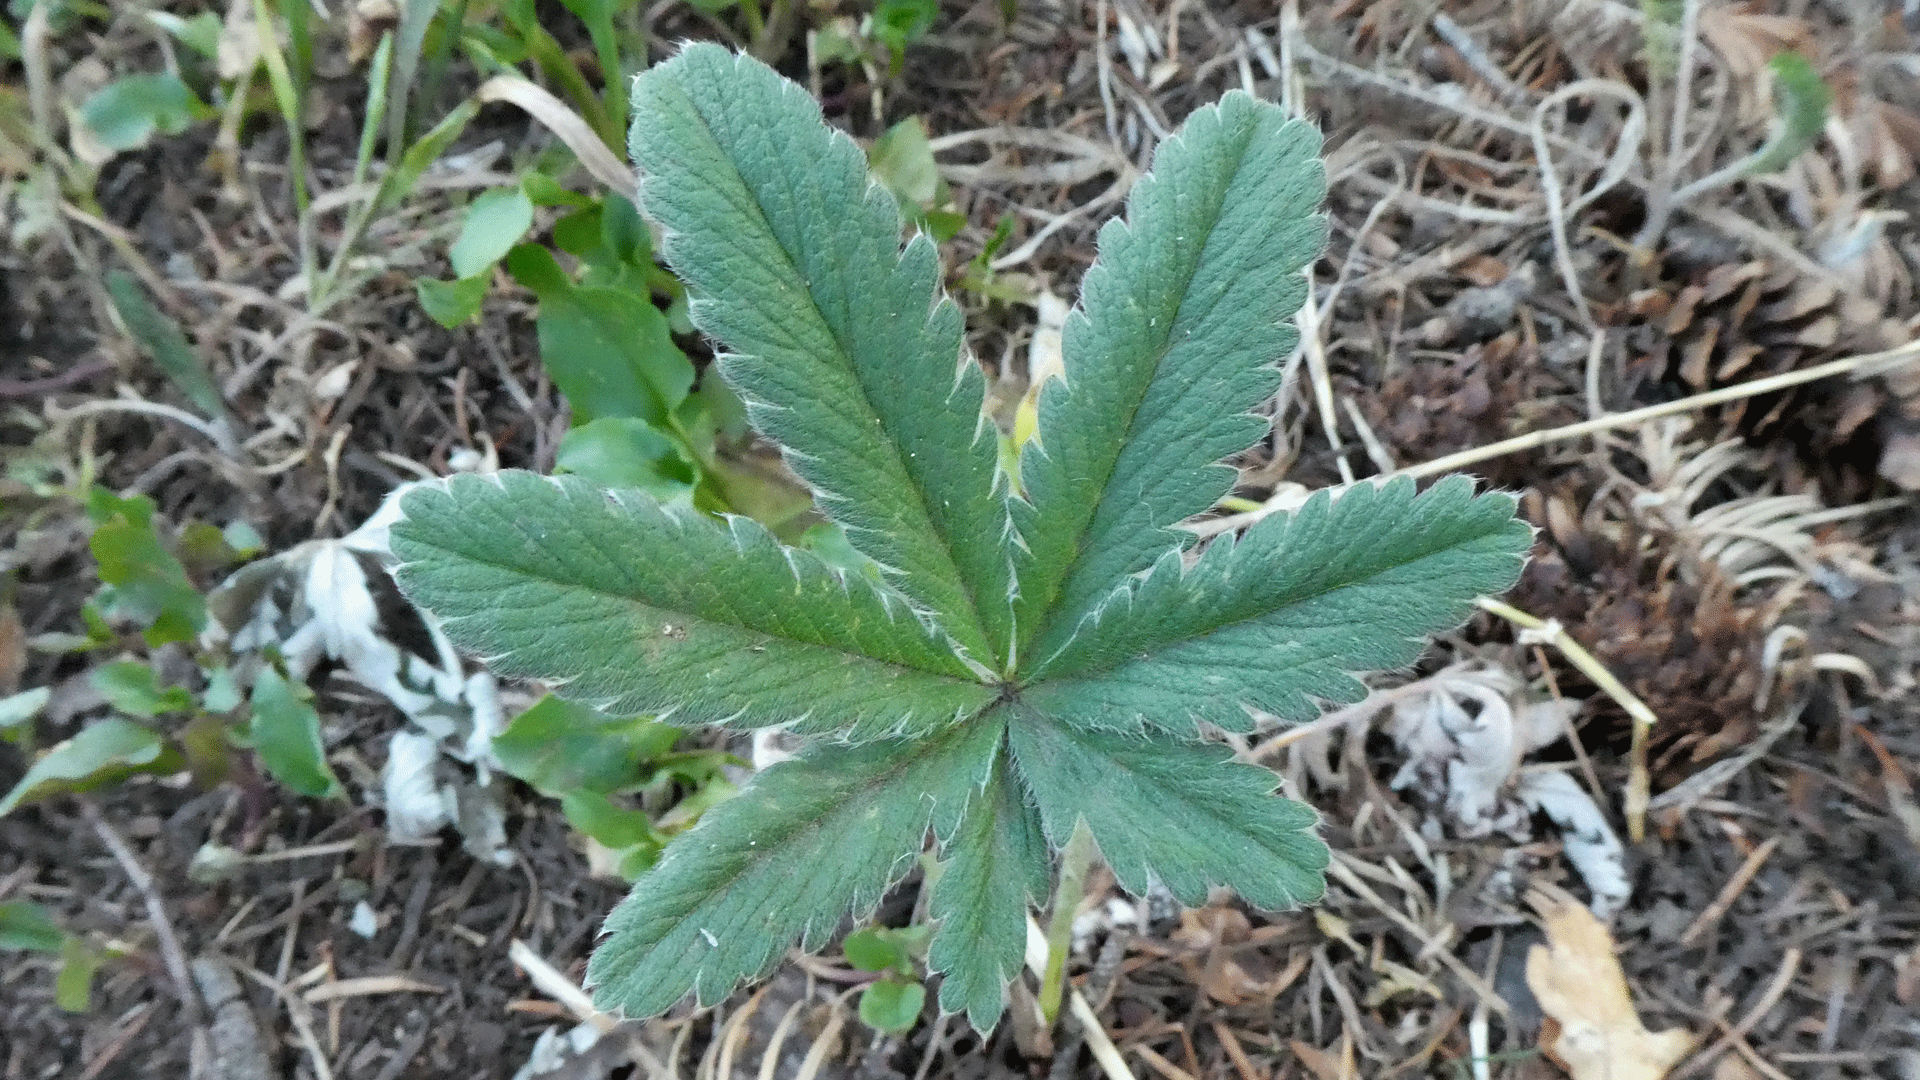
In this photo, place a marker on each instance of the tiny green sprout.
(1041, 646)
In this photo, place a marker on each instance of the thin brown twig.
(118, 1046)
(1736, 1035)
(170, 952)
(27, 389)
(1730, 891)
(1235, 1053)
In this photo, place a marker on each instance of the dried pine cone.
(1669, 626)
(1736, 322)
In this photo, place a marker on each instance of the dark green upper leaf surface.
(1180, 325)
(1172, 809)
(806, 842)
(286, 734)
(840, 342)
(637, 608)
(1285, 614)
(996, 863)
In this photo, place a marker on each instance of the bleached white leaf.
(418, 805)
(1586, 836)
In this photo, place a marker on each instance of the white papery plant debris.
(1466, 737)
(331, 600)
(556, 1050)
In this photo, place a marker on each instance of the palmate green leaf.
(806, 842)
(1283, 616)
(841, 344)
(1180, 325)
(636, 608)
(994, 710)
(1181, 812)
(996, 862)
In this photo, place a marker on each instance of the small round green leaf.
(451, 303)
(132, 688)
(872, 950)
(892, 1005)
(127, 112)
(563, 746)
(495, 222)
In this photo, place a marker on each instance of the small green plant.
(28, 927)
(876, 40)
(1037, 648)
(621, 781)
(147, 583)
(892, 1002)
(596, 765)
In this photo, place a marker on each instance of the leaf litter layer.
(1811, 956)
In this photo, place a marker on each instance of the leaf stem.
(1075, 859)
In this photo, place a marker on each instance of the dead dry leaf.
(1332, 1064)
(1906, 984)
(13, 649)
(368, 986)
(1594, 1032)
(566, 125)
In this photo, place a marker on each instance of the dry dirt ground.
(1507, 258)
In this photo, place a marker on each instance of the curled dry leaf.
(554, 115)
(1593, 1031)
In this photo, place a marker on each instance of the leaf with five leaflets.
(992, 709)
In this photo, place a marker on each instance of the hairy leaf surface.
(995, 862)
(1283, 616)
(995, 709)
(1171, 809)
(842, 346)
(637, 608)
(807, 841)
(1180, 325)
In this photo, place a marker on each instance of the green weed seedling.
(28, 927)
(892, 1002)
(1040, 649)
(157, 729)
